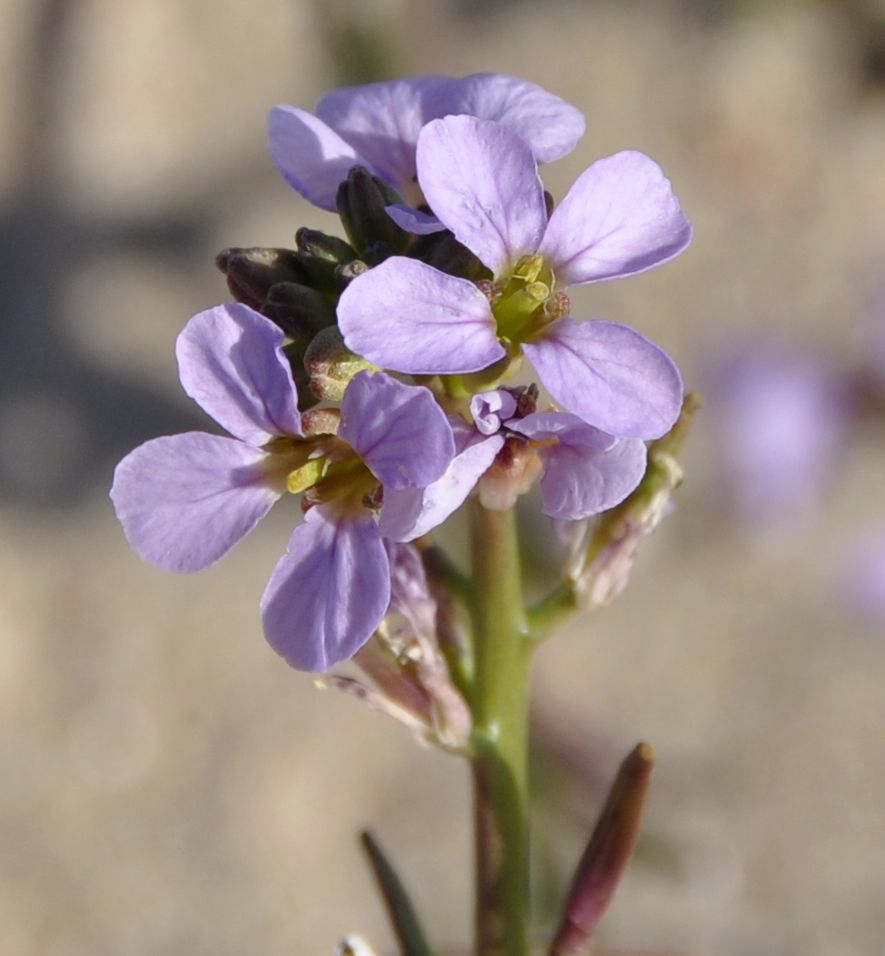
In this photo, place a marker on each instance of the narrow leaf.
(399, 907)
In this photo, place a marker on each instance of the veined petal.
(587, 470)
(610, 376)
(329, 592)
(408, 514)
(409, 317)
(184, 501)
(311, 157)
(382, 121)
(481, 180)
(231, 364)
(619, 218)
(550, 126)
(399, 430)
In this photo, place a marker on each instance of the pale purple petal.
(382, 121)
(587, 470)
(399, 430)
(491, 409)
(184, 501)
(407, 515)
(329, 592)
(481, 180)
(610, 376)
(409, 317)
(311, 157)
(414, 221)
(619, 218)
(550, 126)
(231, 364)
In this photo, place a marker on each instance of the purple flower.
(481, 181)
(585, 471)
(377, 126)
(780, 416)
(863, 579)
(184, 501)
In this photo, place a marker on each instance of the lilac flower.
(618, 219)
(377, 126)
(184, 501)
(585, 470)
(780, 418)
(863, 578)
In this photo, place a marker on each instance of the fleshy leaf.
(399, 430)
(409, 317)
(230, 363)
(610, 376)
(481, 180)
(619, 218)
(312, 158)
(329, 592)
(184, 501)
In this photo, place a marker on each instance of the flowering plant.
(376, 377)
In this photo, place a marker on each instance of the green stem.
(500, 740)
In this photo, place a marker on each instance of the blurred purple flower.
(585, 471)
(780, 416)
(377, 126)
(185, 500)
(481, 180)
(863, 583)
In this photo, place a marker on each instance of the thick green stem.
(500, 741)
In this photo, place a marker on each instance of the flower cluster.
(454, 268)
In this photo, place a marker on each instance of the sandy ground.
(167, 785)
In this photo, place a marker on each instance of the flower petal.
(491, 409)
(481, 180)
(408, 514)
(184, 501)
(619, 218)
(399, 430)
(409, 317)
(586, 471)
(231, 364)
(550, 126)
(382, 121)
(413, 220)
(311, 157)
(329, 592)
(610, 376)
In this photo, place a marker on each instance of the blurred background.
(167, 785)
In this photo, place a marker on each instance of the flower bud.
(298, 310)
(331, 365)
(362, 205)
(443, 251)
(251, 272)
(318, 245)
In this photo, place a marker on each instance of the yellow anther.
(306, 476)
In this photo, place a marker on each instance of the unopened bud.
(345, 274)
(298, 310)
(443, 251)
(294, 352)
(251, 272)
(331, 365)
(362, 205)
(354, 946)
(318, 245)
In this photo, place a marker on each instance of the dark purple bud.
(251, 272)
(362, 205)
(318, 245)
(298, 310)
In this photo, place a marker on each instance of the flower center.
(524, 302)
